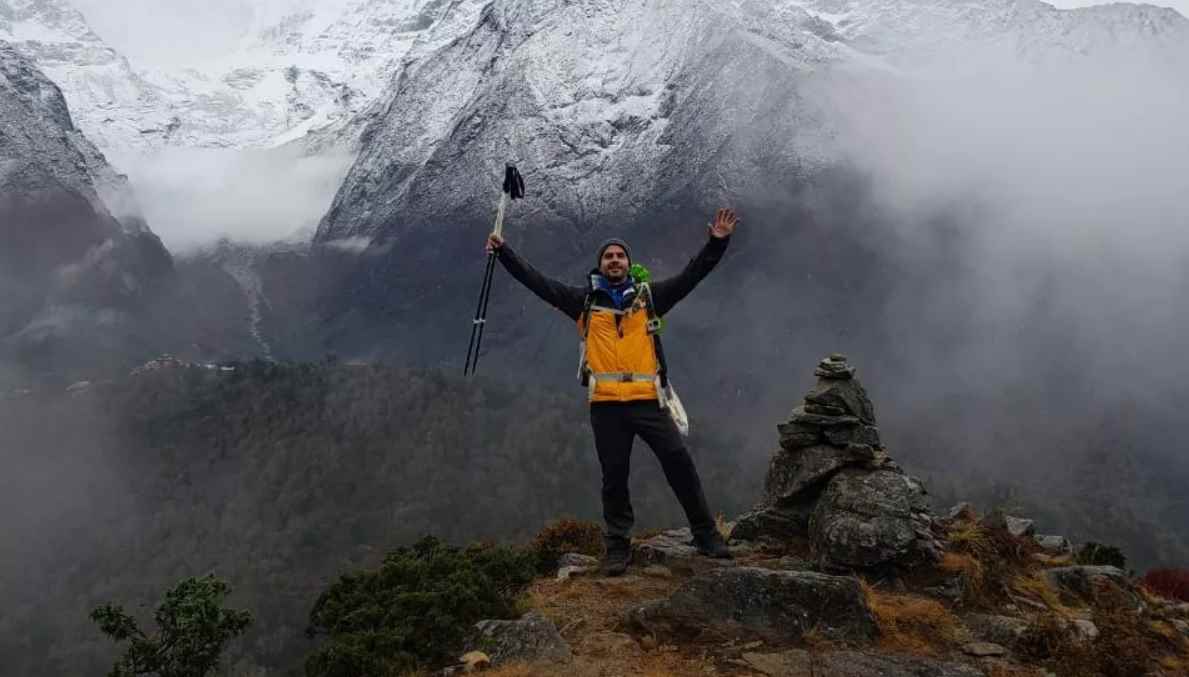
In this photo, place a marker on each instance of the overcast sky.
(160, 32)
(182, 31)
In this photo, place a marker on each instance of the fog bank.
(193, 197)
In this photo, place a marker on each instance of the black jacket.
(570, 299)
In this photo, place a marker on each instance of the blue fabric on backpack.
(621, 293)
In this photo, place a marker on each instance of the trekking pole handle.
(499, 214)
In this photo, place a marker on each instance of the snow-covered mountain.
(299, 66)
(614, 106)
(323, 71)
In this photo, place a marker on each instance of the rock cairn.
(832, 484)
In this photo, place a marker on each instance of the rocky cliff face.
(74, 251)
(615, 108)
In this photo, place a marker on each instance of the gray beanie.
(608, 243)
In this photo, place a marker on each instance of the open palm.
(724, 223)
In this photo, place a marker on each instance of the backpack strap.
(583, 368)
(655, 324)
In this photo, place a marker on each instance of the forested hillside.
(279, 478)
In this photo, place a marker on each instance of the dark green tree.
(192, 628)
(415, 609)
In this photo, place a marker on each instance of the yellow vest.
(621, 358)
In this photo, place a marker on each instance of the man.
(623, 368)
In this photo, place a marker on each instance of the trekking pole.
(513, 189)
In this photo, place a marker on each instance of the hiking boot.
(712, 545)
(619, 555)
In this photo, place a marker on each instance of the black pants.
(616, 425)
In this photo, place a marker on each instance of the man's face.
(614, 263)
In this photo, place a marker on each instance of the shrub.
(567, 535)
(1099, 554)
(1122, 649)
(192, 628)
(1168, 583)
(416, 609)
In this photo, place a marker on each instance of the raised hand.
(494, 242)
(724, 223)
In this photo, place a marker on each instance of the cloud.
(193, 197)
(168, 32)
(1067, 187)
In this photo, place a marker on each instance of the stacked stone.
(833, 484)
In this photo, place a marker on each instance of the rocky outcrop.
(1002, 630)
(531, 638)
(775, 605)
(832, 484)
(1053, 544)
(867, 519)
(1016, 526)
(1090, 584)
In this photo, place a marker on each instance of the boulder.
(791, 474)
(963, 510)
(531, 638)
(566, 573)
(777, 523)
(1085, 629)
(869, 519)
(800, 663)
(573, 559)
(665, 547)
(1016, 526)
(1003, 630)
(657, 571)
(773, 605)
(1087, 583)
(1054, 545)
(983, 649)
(475, 661)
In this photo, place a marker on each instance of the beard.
(618, 275)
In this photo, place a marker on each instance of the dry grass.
(912, 624)
(1005, 670)
(998, 559)
(966, 567)
(667, 663)
(1035, 587)
(971, 538)
(585, 607)
(516, 670)
(1175, 665)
